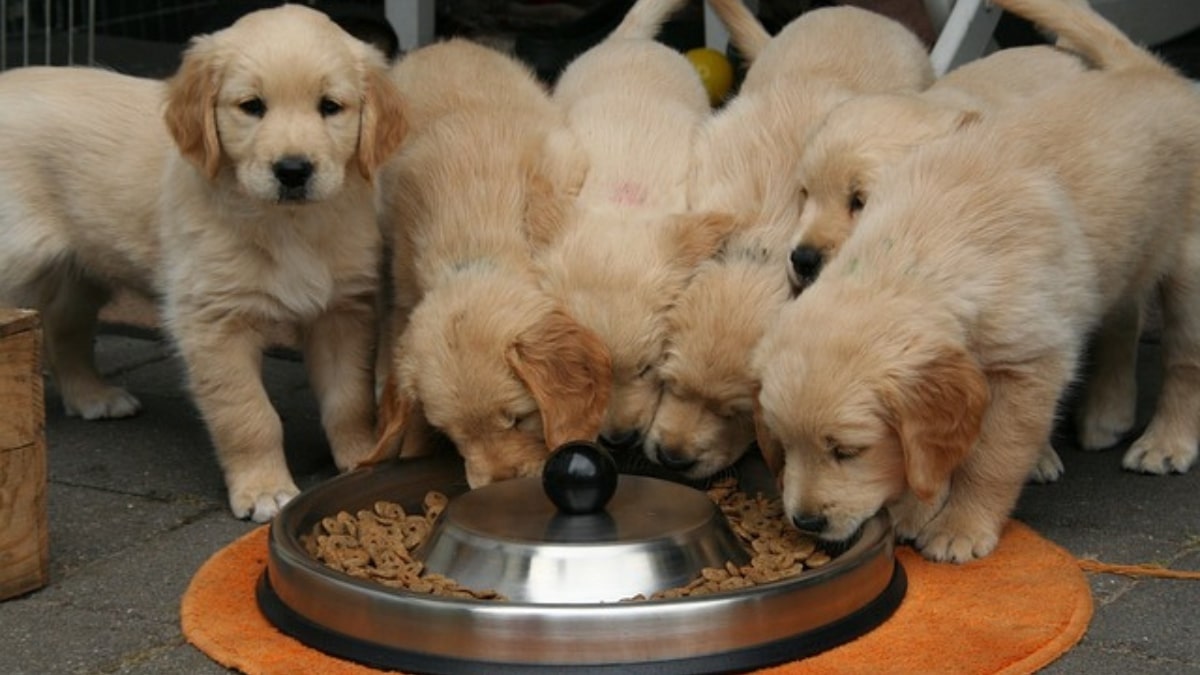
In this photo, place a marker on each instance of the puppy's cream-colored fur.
(747, 151)
(480, 351)
(634, 105)
(922, 369)
(863, 136)
(746, 155)
(703, 420)
(251, 207)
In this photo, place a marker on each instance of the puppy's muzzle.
(810, 524)
(293, 173)
(806, 263)
(621, 440)
(816, 525)
(673, 460)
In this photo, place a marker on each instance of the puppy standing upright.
(635, 106)
(922, 370)
(250, 208)
(746, 155)
(480, 351)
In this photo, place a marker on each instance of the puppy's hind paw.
(1049, 467)
(102, 403)
(1098, 434)
(1106, 416)
(263, 506)
(1146, 456)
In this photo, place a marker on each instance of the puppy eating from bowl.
(745, 157)
(250, 208)
(861, 137)
(630, 242)
(921, 371)
(478, 350)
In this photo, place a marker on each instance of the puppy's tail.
(645, 19)
(1083, 31)
(745, 30)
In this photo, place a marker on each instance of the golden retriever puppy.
(746, 154)
(480, 352)
(863, 136)
(251, 207)
(634, 106)
(703, 421)
(921, 371)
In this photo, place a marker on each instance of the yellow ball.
(715, 72)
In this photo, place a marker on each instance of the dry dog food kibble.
(778, 551)
(377, 544)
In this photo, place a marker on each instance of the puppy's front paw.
(100, 402)
(910, 515)
(1049, 467)
(351, 452)
(959, 538)
(1150, 454)
(261, 505)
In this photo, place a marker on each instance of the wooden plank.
(24, 527)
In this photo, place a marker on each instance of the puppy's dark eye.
(841, 452)
(254, 107)
(329, 107)
(857, 201)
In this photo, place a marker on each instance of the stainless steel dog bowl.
(564, 575)
(510, 538)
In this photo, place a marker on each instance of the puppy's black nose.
(810, 524)
(673, 461)
(293, 171)
(807, 262)
(621, 440)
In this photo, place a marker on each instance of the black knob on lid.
(580, 477)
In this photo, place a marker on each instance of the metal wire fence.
(71, 32)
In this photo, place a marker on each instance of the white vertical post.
(413, 21)
(965, 36)
(716, 36)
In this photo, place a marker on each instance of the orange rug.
(1012, 612)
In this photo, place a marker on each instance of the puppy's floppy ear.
(546, 211)
(191, 111)
(768, 445)
(915, 121)
(938, 415)
(694, 237)
(945, 120)
(568, 371)
(383, 123)
(397, 415)
(554, 179)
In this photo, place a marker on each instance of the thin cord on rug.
(1144, 570)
